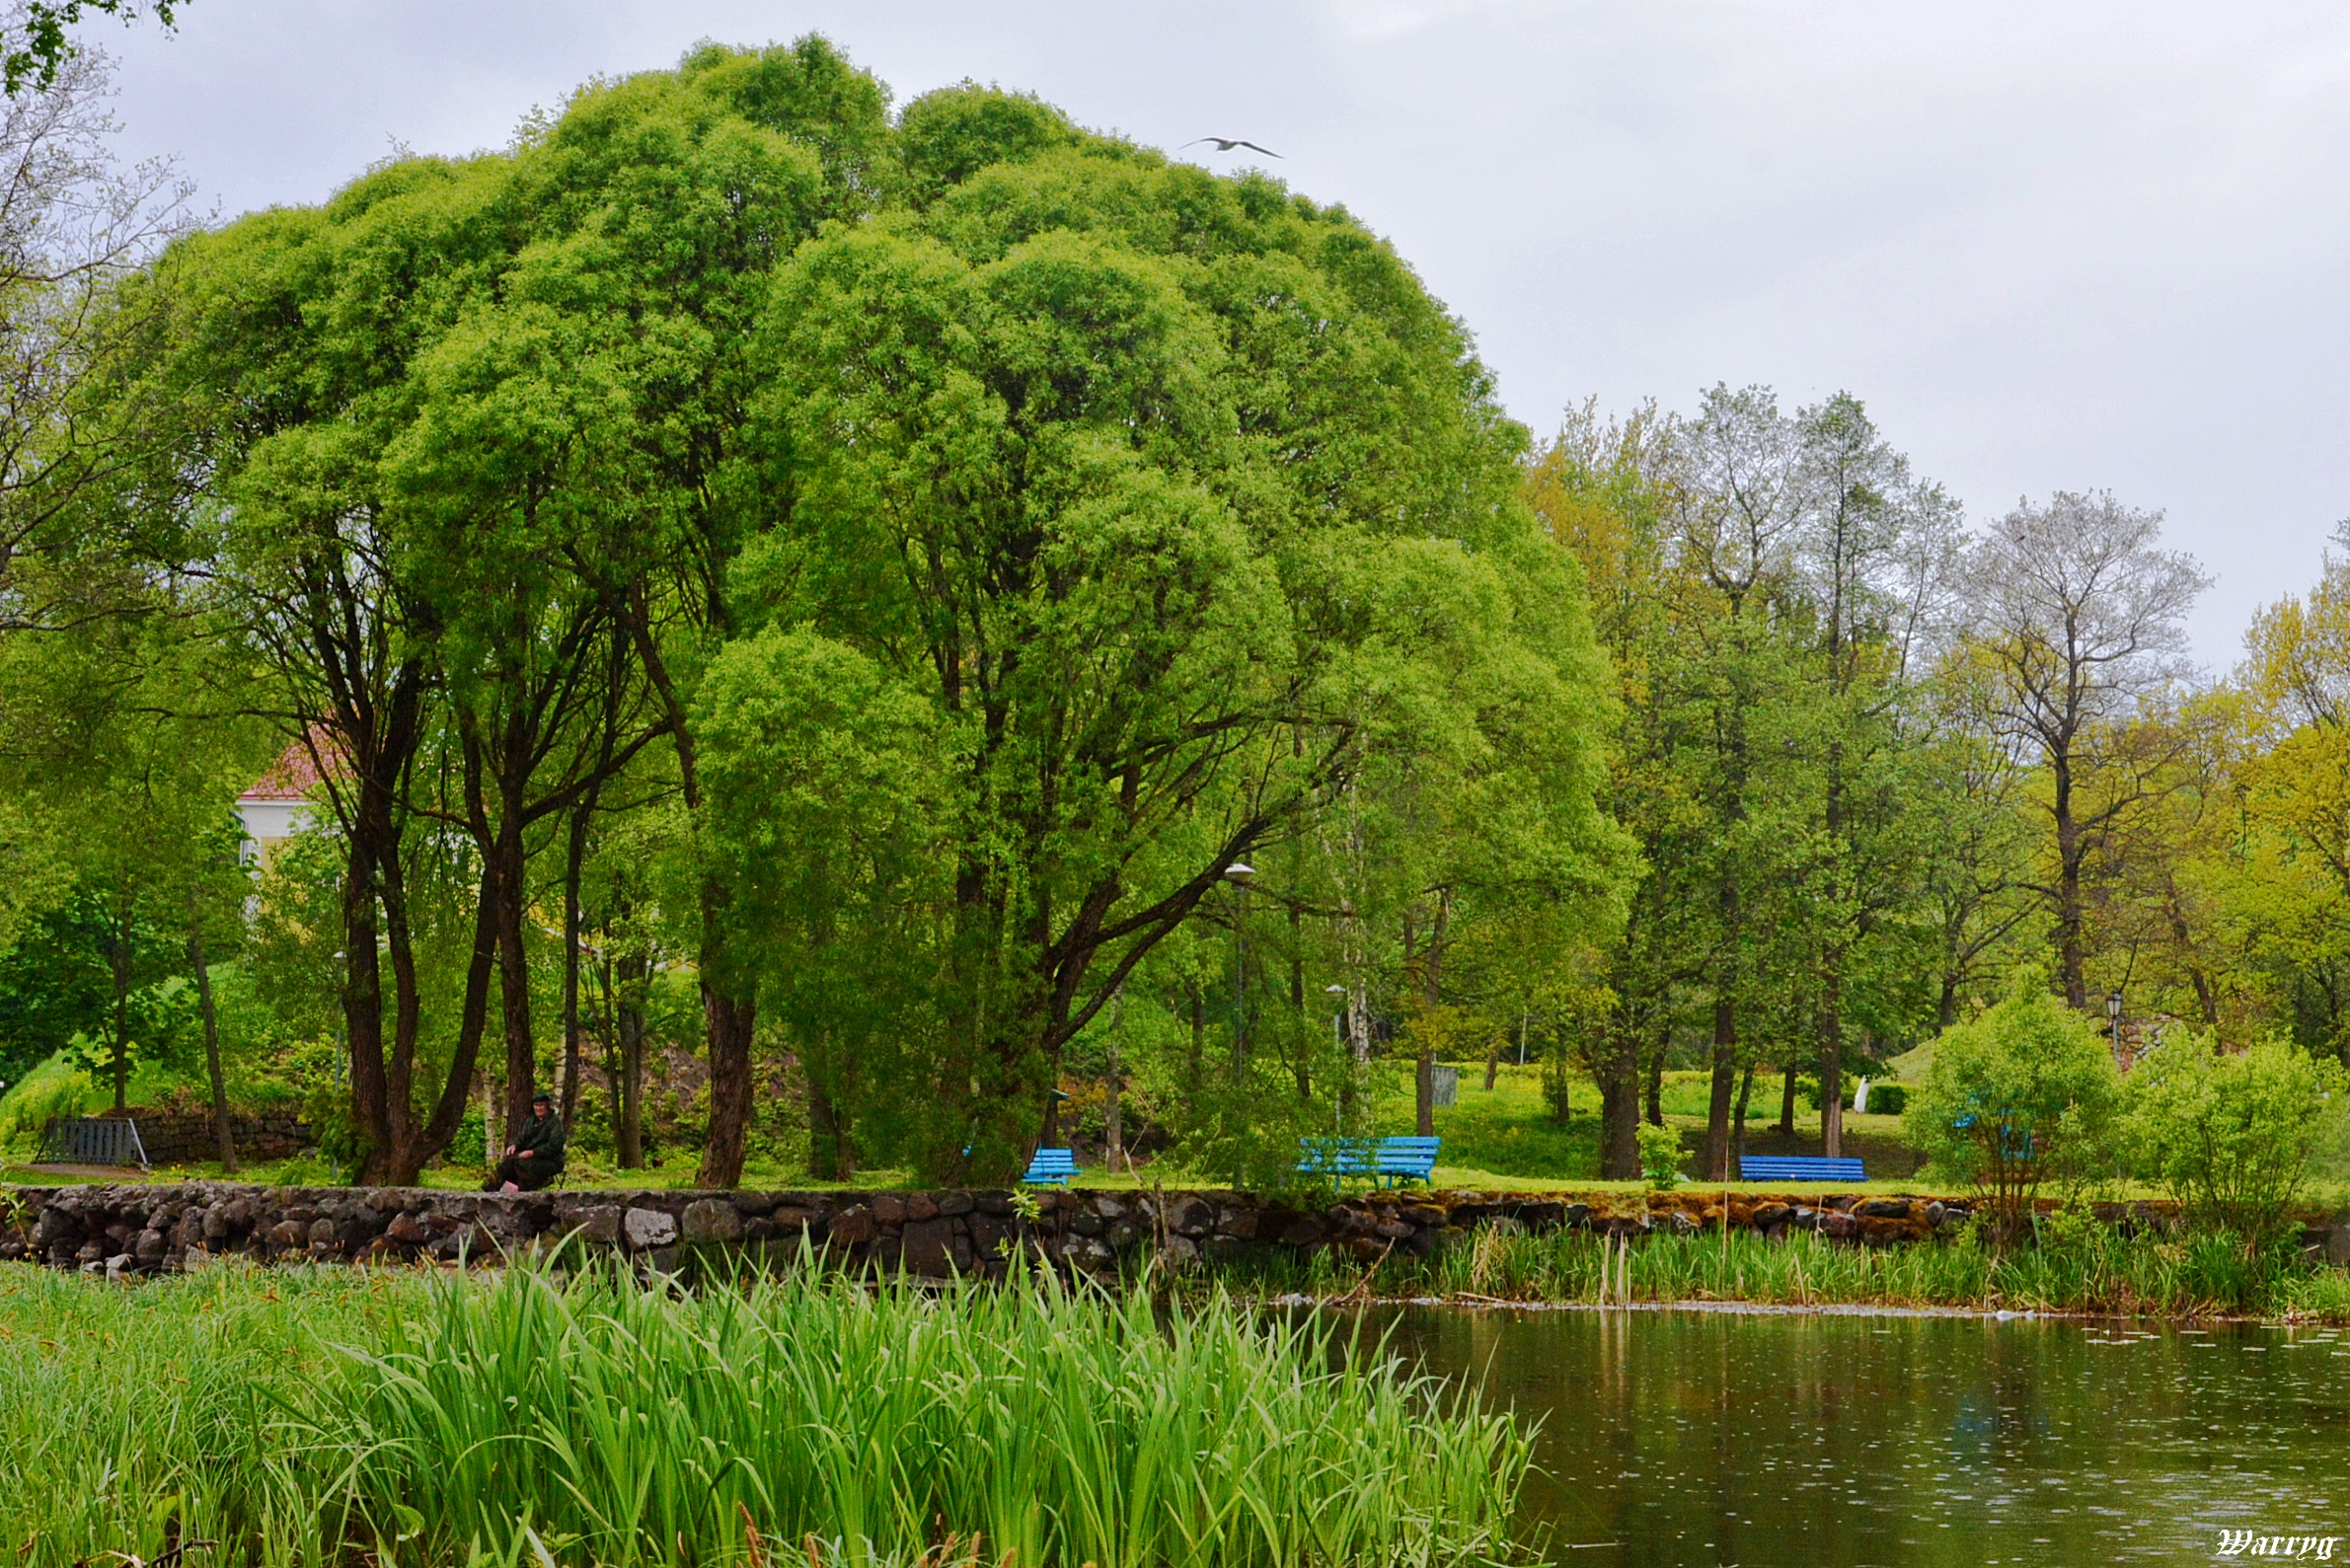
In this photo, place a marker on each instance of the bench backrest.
(1051, 1167)
(1799, 1167)
(1407, 1153)
(93, 1140)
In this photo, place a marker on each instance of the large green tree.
(1175, 500)
(450, 439)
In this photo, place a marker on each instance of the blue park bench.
(1797, 1168)
(1389, 1162)
(1052, 1167)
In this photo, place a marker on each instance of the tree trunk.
(1787, 1104)
(383, 1084)
(1738, 1122)
(1717, 1104)
(1432, 981)
(1302, 1045)
(1617, 1072)
(120, 965)
(1113, 1089)
(224, 1139)
(1657, 1077)
(575, 855)
(628, 1030)
(1945, 1010)
(1051, 1137)
(2070, 850)
(1197, 1066)
(2206, 1001)
(830, 1156)
(1832, 1073)
(728, 1024)
(514, 973)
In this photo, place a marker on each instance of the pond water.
(1817, 1441)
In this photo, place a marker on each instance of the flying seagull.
(1227, 143)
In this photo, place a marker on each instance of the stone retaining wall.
(185, 1136)
(157, 1228)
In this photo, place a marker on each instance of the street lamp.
(1239, 874)
(1337, 996)
(2113, 1014)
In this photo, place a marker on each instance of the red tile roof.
(292, 777)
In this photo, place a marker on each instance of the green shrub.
(2024, 1093)
(2230, 1135)
(1887, 1099)
(1660, 1155)
(55, 1088)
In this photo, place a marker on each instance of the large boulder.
(710, 1222)
(646, 1229)
(931, 1247)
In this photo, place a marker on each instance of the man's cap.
(542, 1100)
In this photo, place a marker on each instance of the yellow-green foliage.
(2232, 1134)
(1660, 1155)
(2026, 1090)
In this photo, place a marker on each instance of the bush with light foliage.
(2024, 1093)
(2230, 1135)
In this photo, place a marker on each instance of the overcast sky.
(2052, 245)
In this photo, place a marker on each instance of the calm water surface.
(1818, 1441)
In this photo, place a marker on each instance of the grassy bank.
(1508, 1130)
(309, 1417)
(2095, 1269)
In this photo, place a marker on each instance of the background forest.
(837, 638)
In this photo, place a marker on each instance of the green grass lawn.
(1505, 1137)
(1499, 1140)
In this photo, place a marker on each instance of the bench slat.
(1051, 1167)
(1390, 1159)
(1387, 1157)
(1799, 1168)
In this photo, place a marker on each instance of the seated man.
(535, 1157)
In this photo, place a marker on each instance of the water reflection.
(1818, 1441)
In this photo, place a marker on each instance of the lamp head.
(1240, 872)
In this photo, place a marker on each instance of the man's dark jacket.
(543, 1136)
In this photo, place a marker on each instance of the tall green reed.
(2087, 1268)
(326, 1417)
(628, 1426)
(134, 1419)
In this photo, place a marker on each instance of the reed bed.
(340, 1416)
(2095, 1269)
(139, 1420)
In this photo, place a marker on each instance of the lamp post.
(1337, 996)
(1239, 874)
(2113, 1016)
